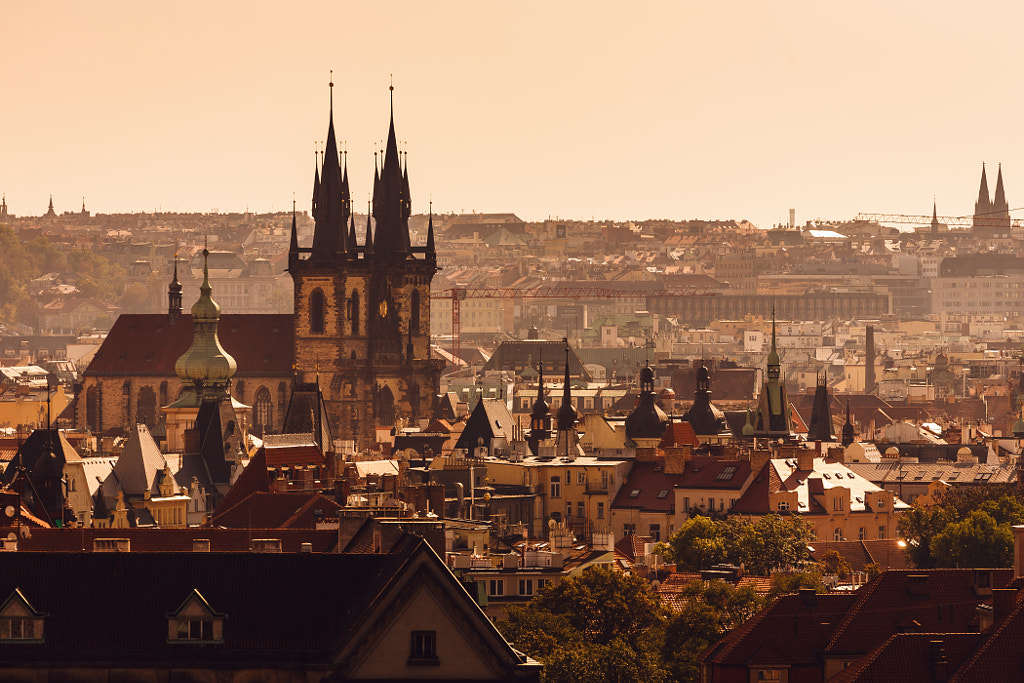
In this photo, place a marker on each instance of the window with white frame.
(556, 487)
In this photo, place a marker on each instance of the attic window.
(826, 476)
(727, 473)
(850, 475)
(983, 476)
(195, 622)
(662, 494)
(919, 476)
(19, 621)
(953, 476)
(634, 493)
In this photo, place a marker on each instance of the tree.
(793, 582)
(978, 541)
(923, 525)
(697, 544)
(771, 542)
(605, 605)
(834, 563)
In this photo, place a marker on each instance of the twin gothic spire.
(391, 207)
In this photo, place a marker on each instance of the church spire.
(391, 205)
(566, 413)
(329, 235)
(999, 205)
(352, 242)
(935, 216)
(316, 180)
(293, 246)
(206, 364)
(174, 294)
(431, 251)
(368, 245)
(820, 428)
(983, 207)
(847, 427)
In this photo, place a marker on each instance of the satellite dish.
(9, 510)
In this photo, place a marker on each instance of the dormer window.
(195, 622)
(19, 621)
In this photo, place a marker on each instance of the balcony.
(597, 487)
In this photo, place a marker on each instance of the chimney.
(809, 597)
(917, 585)
(646, 454)
(869, 359)
(805, 460)
(1003, 602)
(676, 458)
(939, 661)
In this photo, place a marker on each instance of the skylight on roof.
(727, 473)
(663, 493)
(634, 493)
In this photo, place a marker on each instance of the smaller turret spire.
(174, 294)
(293, 247)
(847, 427)
(566, 413)
(368, 247)
(430, 232)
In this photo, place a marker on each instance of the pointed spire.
(773, 354)
(431, 251)
(174, 294)
(352, 242)
(368, 245)
(847, 427)
(293, 247)
(316, 179)
(1000, 200)
(391, 205)
(984, 202)
(329, 235)
(935, 216)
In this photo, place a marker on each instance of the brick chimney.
(646, 454)
(805, 460)
(676, 459)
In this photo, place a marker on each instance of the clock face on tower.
(383, 308)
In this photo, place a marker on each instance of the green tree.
(834, 563)
(605, 605)
(794, 581)
(977, 541)
(697, 544)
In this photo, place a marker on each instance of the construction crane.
(966, 222)
(575, 291)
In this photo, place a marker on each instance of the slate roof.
(147, 344)
(138, 467)
(261, 609)
(177, 540)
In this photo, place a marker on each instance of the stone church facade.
(361, 326)
(362, 307)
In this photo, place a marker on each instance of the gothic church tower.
(362, 311)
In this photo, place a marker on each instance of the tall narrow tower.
(362, 312)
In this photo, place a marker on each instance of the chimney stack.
(869, 359)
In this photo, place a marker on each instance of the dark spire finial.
(331, 86)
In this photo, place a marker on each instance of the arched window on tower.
(145, 410)
(414, 315)
(385, 406)
(262, 412)
(355, 311)
(93, 409)
(317, 323)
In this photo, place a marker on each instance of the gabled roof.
(887, 605)
(149, 344)
(164, 540)
(263, 510)
(791, 631)
(138, 466)
(489, 419)
(910, 657)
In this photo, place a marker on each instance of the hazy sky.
(590, 109)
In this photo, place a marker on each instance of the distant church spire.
(935, 216)
(329, 235)
(391, 204)
(820, 428)
(848, 427)
(174, 294)
(431, 251)
(293, 246)
(206, 365)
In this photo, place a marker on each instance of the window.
(568, 511)
(881, 533)
(581, 511)
(423, 647)
(837, 535)
(769, 675)
(354, 309)
(496, 587)
(600, 510)
(783, 505)
(686, 503)
(881, 503)
(317, 324)
(655, 532)
(195, 622)
(414, 314)
(634, 493)
(727, 473)
(195, 629)
(542, 583)
(837, 504)
(628, 529)
(862, 534)
(581, 477)
(662, 494)
(526, 586)
(556, 487)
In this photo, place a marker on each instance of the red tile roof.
(177, 540)
(909, 658)
(885, 605)
(261, 510)
(148, 344)
(679, 434)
